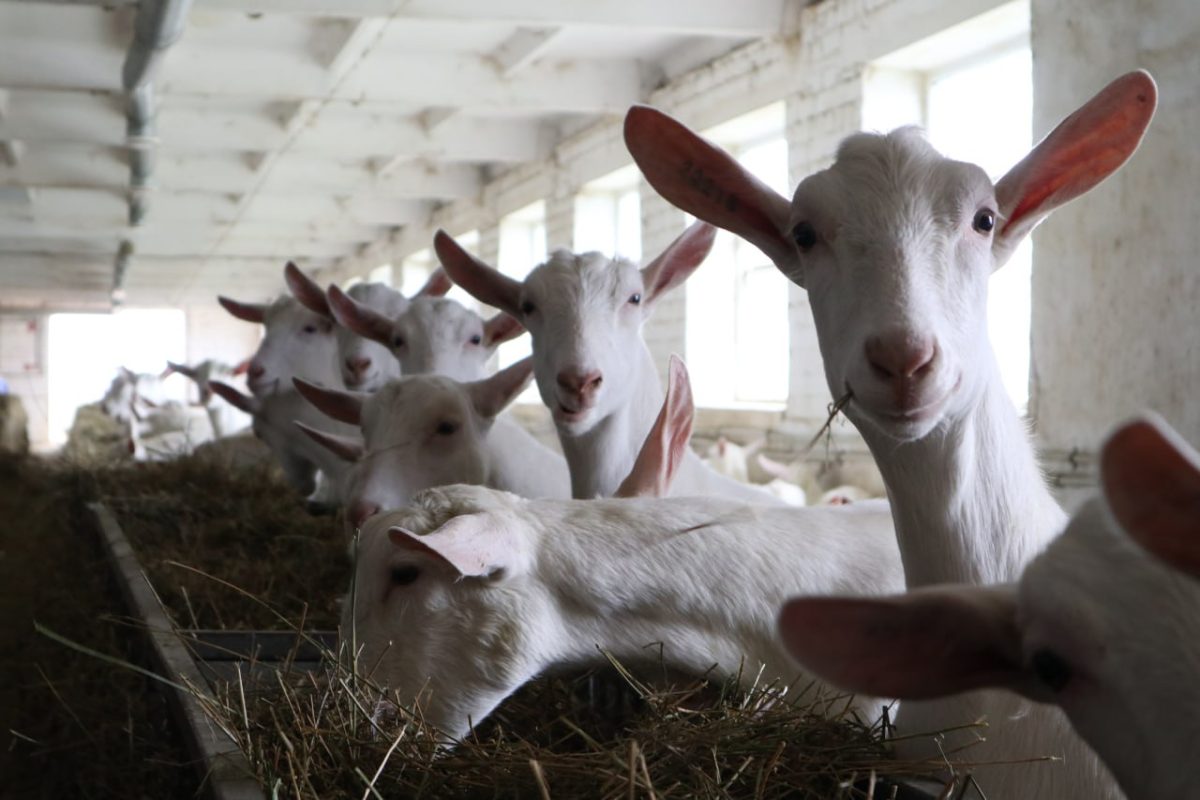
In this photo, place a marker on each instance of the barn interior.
(155, 154)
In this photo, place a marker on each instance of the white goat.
(226, 419)
(434, 335)
(421, 431)
(594, 371)
(1097, 624)
(296, 343)
(535, 584)
(895, 244)
(275, 417)
(732, 459)
(365, 365)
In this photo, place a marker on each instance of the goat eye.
(310, 328)
(528, 307)
(445, 428)
(636, 298)
(477, 339)
(805, 236)
(985, 220)
(405, 574)
(1051, 669)
(398, 341)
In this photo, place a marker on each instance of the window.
(522, 247)
(381, 274)
(86, 350)
(737, 302)
(971, 87)
(416, 269)
(608, 215)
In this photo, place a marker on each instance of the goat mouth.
(910, 416)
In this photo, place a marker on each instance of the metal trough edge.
(224, 771)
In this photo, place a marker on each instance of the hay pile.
(96, 439)
(71, 726)
(325, 734)
(14, 426)
(201, 522)
(320, 736)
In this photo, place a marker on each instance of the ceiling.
(301, 129)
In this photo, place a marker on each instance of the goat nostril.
(256, 371)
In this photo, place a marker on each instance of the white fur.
(887, 244)
(351, 347)
(699, 577)
(421, 431)
(580, 310)
(296, 343)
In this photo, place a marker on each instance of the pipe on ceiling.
(157, 25)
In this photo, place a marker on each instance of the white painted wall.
(1116, 277)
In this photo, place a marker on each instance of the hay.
(96, 439)
(241, 524)
(71, 726)
(326, 735)
(320, 736)
(14, 426)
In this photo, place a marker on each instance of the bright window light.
(608, 215)
(737, 302)
(86, 351)
(381, 274)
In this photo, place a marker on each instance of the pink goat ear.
(250, 312)
(345, 448)
(492, 395)
(234, 397)
(666, 444)
(697, 176)
(682, 257)
(483, 282)
(471, 545)
(438, 284)
(927, 643)
(1151, 478)
(342, 406)
(360, 319)
(501, 328)
(1083, 150)
(306, 291)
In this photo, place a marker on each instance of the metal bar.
(224, 772)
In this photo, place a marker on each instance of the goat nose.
(579, 382)
(360, 512)
(900, 355)
(256, 370)
(358, 366)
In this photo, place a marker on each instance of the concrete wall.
(26, 371)
(1116, 280)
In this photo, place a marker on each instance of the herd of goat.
(966, 595)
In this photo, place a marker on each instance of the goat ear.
(1151, 478)
(364, 321)
(472, 545)
(486, 284)
(235, 398)
(702, 179)
(342, 406)
(776, 469)
(344, 447)
(250, 312)
(492, 395)
(438, 284)
(666, 445)
(1082, 151)
(501, 328)
(681, 258)
(182, 369)
(927, 643)
(306, 290)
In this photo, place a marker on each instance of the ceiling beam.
(745, 18)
